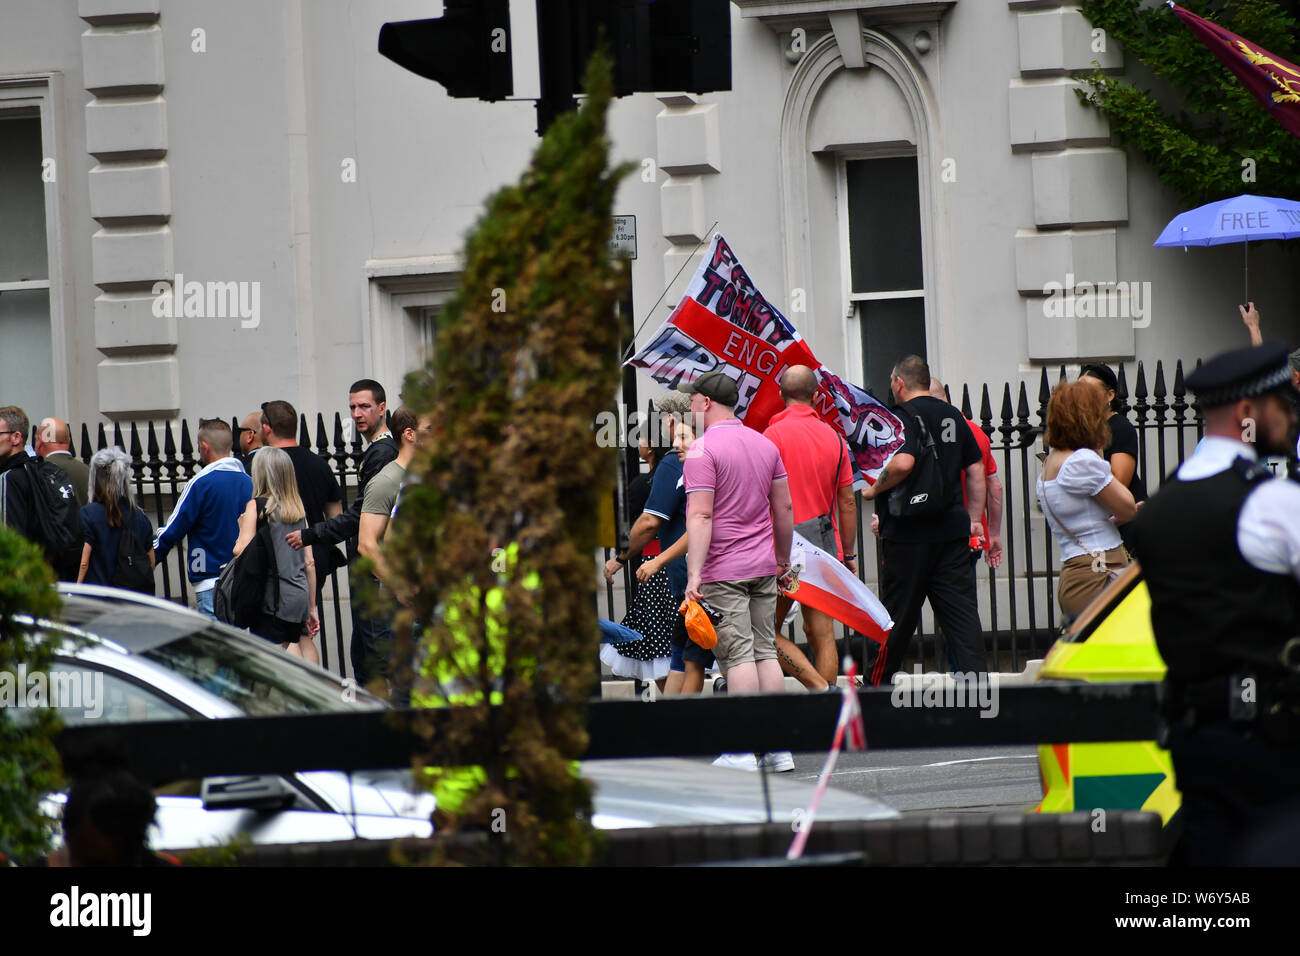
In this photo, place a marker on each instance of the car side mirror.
(257, 792)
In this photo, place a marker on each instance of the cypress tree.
(508, 491)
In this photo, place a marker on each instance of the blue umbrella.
(1239, 219)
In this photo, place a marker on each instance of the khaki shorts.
(1085, 576)
(748, 630)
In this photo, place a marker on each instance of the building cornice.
(783, 16)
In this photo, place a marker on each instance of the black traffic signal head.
(658, 45)
(467, 50)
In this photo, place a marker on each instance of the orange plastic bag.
(698, 626)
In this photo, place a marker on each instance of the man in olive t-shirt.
(381, 493)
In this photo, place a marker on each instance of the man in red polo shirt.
(816, 460)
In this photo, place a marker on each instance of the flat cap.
(714, 385)
(1242, 373)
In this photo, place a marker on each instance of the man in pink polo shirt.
(738, 525)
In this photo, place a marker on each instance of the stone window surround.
(822, 60)
(38, 94)
(395, 287)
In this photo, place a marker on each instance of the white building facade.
(896, 175)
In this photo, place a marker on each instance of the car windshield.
(256, 676)
(260, 681)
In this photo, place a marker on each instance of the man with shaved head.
(817, 462)
(250, 439)
(53, 443)
(926, 555)
(207, 513)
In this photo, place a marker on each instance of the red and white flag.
(827, 585)
(723, 323)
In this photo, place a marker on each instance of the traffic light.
(467, 50)
(688, 46)
(662, 44)
(657, 45)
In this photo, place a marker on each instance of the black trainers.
(719, 685)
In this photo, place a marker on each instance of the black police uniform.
(1221, 625)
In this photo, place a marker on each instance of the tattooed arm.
(899, 467)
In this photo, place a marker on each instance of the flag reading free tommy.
(724, 323)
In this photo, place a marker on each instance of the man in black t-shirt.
(367, 406)
(317, 486)
(928, 556)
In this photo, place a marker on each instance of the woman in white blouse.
(1079, 496)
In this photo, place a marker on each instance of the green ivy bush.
(1198, 149)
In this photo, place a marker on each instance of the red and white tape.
(850, 724)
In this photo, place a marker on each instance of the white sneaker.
(745, 761)
(779, 762)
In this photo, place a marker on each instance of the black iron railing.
(1017, 602)
(164, 458)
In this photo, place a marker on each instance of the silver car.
(160, 661)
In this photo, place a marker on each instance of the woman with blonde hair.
(110, 512)
(277, 504)
(1080, 497)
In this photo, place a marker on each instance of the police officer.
(1219, 547)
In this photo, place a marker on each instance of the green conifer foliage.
(526, 354)
(1198, 148)
(29, 764)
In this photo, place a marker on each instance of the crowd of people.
(47, 494)
(719, 521)
(1222, 628)
(715, 518)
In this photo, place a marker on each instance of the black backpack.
(134, 572)
(58, 515)
(922, 492)
(240, 594)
